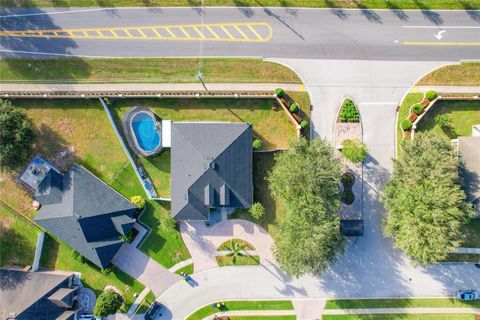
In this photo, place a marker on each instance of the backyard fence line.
(38, 251)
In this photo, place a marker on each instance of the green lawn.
(292, 317)
(227, 244)
(360, 4)
(464, 74)
(399, 303)
(158, 168)
(463, 115)
(274, 208)
(18, 238)
(148, 70)
(59, 256)
(149, 298)
(407, 102)
(245, 260)
(163, 245)
(243, 305)
(188, 269)
(401, 316)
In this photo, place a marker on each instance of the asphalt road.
(295, 33)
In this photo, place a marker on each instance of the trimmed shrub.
(354, 150)
(138, 201)
(442, 120)
(257, 210)
(349, 112)
(257, 144)
(293, 107)
(347, 197)
(406, 125)
(304, 124)
(431, 95)
(108, 302)
(417, 108)
(279, 92)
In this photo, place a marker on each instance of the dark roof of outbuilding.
(26, 294)
(85, 213)
(211, 167)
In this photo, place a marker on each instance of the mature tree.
(108, 302)
(16, 136)
(307, 178)
(425, 203)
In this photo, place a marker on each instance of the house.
(81, 210)
(39, 296)
(469, 151)
(211, 168)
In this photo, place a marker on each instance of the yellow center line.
(156, 33)
(170, 32)
(240, 31)
(254, 31)
(213, 32)
(184, 32)
(141, 32)
(453, 43)
(226, 31)
(199, 32)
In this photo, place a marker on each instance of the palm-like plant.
(236, 250)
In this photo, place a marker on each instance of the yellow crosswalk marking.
(259, 32)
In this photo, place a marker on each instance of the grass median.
(357, 4)
(400, 303)
(464, 74)
(143, 70)
(400, 316)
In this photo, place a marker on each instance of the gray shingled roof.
(26, 294)
(211, 167)
(469, 148)
(85, 213)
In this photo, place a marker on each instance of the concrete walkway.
(448, 89)
(203, 241)
(309, 309)
(468, 251)
(137, 302)
(180, 265)
(144, 87)
(404, 311)
(139, 266)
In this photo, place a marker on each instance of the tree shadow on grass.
(371, 15)
(15, 248)
(244, 8)
(432, 16)
(338, 11)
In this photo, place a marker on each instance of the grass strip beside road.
(188, 269)
(147, 301)
(356, 4)
(292, 317)
(464, 74)
(399, 316)
(242, 305)
(400, 303)
(144, 70)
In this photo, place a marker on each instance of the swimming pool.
(145, 130)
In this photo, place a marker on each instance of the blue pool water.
(145, 131)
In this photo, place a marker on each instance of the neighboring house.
(211, 167)
(81, 210)
(469, 151)
(36, 296)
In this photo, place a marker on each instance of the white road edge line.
(441, 27)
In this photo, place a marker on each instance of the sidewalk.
(145, 87)
(404, 311)
(448, 89)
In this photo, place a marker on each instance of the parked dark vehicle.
(153, 310)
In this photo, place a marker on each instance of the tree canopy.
(108, 302)
(307, 177)
(16, 136)
(425, 203)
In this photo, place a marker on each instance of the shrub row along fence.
(418, 110)
(293, 111)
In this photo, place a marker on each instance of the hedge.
(293, 107)
(349, 112)
(406, 124)
(279, 92)
(431, 95)
(417, 108)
